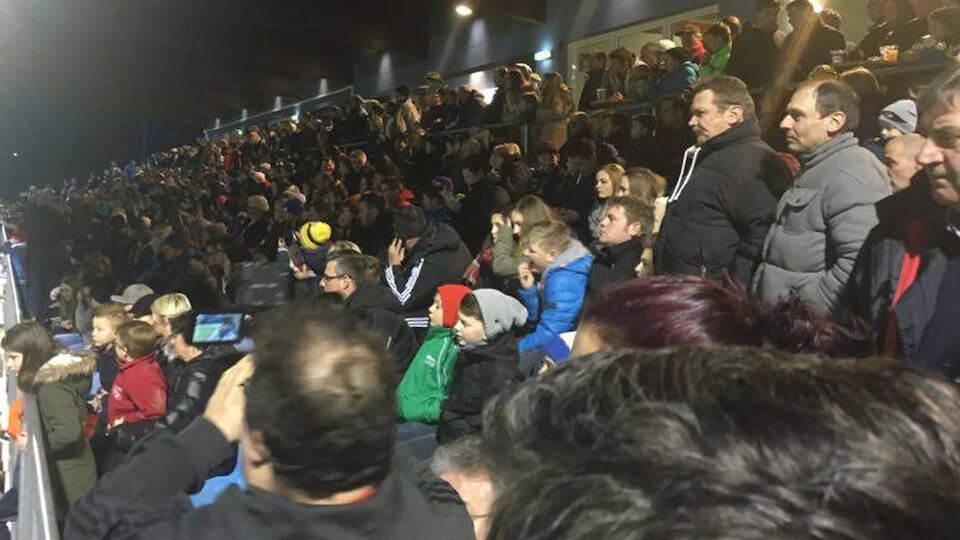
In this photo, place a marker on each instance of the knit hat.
(450, 298)
(501, 313)
(313, 235)
(444, 182)
(258, 202)
(409, 222)
(901, 115)
(404, 198)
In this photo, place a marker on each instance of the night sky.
(56, 138)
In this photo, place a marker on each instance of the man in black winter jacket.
(755, 54)
(724, 201)
(473, 221)
(911, 225)
(906, 282)
(420, 259)
(622, 235)
(314, 410)
(596, 70)
(355, 279)
(811, 41)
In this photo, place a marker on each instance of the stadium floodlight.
(463, 10)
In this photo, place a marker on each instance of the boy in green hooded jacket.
(425, 384)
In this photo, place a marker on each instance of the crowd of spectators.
(455, 338)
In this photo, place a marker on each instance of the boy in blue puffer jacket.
(564, 266)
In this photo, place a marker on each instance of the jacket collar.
(737, 133)
(65, 365)
(618, 251)
(827, 150)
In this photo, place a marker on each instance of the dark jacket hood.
(439, 237)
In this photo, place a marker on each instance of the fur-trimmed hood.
(65, 365)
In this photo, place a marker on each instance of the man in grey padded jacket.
(821, 221)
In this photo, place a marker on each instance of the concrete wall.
(458, 45)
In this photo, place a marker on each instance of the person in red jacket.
(139, 392)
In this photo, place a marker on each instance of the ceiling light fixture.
(463, 10)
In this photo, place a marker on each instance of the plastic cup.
(890, 54)
(601, 94)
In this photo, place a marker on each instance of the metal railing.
(885, 74)
(36, 514)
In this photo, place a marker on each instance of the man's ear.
(733, 114)
(257, 450)
(635, 228)
(836, 122)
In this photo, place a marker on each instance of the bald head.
(900, 157)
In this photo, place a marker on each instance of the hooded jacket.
(557, 302)
(62, 387)
(374, 304)
(424, 387)
(145, 498)
(438, 258)
(482, 371)
(722, 206)
(673, 82)
(717, 63)
(139, 392)
(821, 223)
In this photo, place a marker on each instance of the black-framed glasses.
(328, 278)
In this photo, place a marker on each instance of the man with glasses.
(354, 279)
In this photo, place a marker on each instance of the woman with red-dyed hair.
(669, 311)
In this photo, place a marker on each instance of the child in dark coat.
(488, 360)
